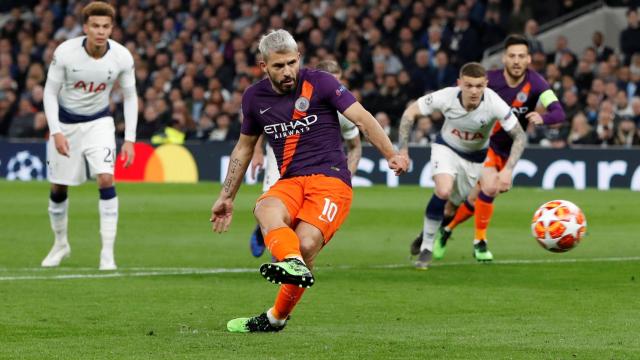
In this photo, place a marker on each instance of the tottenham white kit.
(83, 115)
(462, 145)
(348, 129)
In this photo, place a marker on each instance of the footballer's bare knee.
(490, 189)
(271, 214)
(59, 189)
(105, 181)
(443, 192)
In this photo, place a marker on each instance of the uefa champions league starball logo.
(25, 166)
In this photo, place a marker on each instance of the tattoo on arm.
(517, 148)
(234, 166)
(354, 153)
(406, 124)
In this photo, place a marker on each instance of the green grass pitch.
(178, 283)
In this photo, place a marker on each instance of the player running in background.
(470, 110)
(350, 135)
(523, 88)
(76, 103)
(297, 111)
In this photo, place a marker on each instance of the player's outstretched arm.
(222, 209)
(519, 142)
(368, 125)
(406, 124)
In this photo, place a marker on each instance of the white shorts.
(91, 142)
(465, 172)
(271, 173)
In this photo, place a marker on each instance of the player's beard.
(283, 86)
(514, 75)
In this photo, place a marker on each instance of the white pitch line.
(143, 272)
(185, 271)
(519, 262)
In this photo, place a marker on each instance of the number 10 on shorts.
(329, 212)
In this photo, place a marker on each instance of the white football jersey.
(467, 131)
(86, 81)
(348, 129)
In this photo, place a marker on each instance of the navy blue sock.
(435, 208)
(107, 193)
(469, 206)
(58, 197)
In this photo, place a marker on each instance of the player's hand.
(221, 214)
(399, 163)
(504, 180)
(534, 118)
(257, 163)
(62, 145)
(127, 153)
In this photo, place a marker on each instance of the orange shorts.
(319, 200)
(494, 160)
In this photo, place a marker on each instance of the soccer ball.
(25, 166)
(558, 225)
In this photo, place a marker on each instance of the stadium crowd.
(195, 58)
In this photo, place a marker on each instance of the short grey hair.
(278, 41)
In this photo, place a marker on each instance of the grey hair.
(278, 41)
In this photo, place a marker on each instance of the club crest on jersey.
(302, 104)
(522, 97)
(429, 99)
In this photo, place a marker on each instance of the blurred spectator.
(493, 27)
(385, 122)
(435, 43)
(424, 133)
(520, 13)
(602, 51)
(605, 129)
(562, 48)
(393, 98)
(23, 124)
(463, 39)
(591, 108)
(538, 61)
(627, 134)
(581, 132)
(622, 106)
(444, 74)
(7, 109)
(70, 29)
(531, 32)
(635, 109)
(422, 75)
(629, 37)
(149, 124)
(570, 104)
(223, 129)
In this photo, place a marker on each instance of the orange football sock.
(464, 212)
(283, 243)
(287, 298)
(483, 213)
